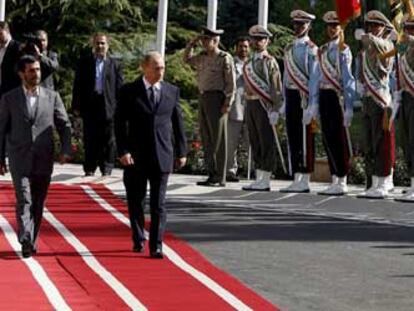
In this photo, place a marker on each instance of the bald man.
(148, 124)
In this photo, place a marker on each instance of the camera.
(30, 44)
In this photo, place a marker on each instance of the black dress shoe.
(27, 249)
(89, 174)
(157, 254)
(138, 248)
(232, 178)
(211, 182)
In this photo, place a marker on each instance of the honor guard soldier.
(336, 89)
(299, 78)
(406, 79)
(263, 92)
(374, 87)
(217, 85)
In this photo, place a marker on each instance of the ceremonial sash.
(407, 74)
(257, 84)
(380, 92)
(297, 76)
(329, 71)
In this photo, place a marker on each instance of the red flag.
(347, 10)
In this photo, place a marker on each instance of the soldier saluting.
(217, 86)
(299, 78)
(406, 79)
(373, 74)
(263, 93)
(335, 89)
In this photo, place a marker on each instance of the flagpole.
(212, 14)
(2, 10)
(263, 13)
(162, 26)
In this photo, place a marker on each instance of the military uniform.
(237, 128)
(335, 90)
(299, 78)
(216, 84)
(374, 87)
(406, 79)
(263, 94)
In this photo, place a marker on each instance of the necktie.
(152, 96)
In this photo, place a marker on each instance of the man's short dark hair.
(4, 26)
(24, 60)
(242, 39)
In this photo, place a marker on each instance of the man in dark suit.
(97, 82)
(9, 55)
(147, 123)
(49, 63)
(28, 115)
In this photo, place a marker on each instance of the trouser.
(135, 182)
(334, 133)
(407, 129)
(213, 130)
(378, 140)
(300, 162)
(261, 136)
(237, 135)
(99, 145)
(31, 194)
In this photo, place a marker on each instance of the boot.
(380, 192)
(408, 196)
(339, 188)
(389, 182)
(331, 187)
(252, 186)
(264, 183)
(296, 179)
(300, 187)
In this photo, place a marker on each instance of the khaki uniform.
(217, 85)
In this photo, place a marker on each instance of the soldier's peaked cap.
(259, 31)
(331, 17)
(377, 17)
(301, 16)
(205, 31)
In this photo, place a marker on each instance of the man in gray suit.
(28, 115)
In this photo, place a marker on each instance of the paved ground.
(302, 252)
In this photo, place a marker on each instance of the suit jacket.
(148, 132)
(30, 139)
(49, 64)
(9, 76)
(84, 86)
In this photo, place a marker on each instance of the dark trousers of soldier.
(407, 129)
(378, 142)
(261, 136)
(99, 140)
(333, 133)
(214, 143)
(294, 127)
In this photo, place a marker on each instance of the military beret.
(205, 31)
(331, 17)
(259, 31)
(301, 16)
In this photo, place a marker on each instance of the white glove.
(282, 111)
(360, 88)
(359, 33)
(348, 114)
(273, 117)
(310, 113)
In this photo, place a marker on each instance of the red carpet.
(85, 250)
